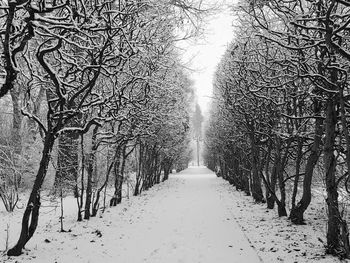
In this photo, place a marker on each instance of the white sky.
(205, 54)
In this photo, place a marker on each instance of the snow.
(192, 217)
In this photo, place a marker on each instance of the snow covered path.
(185, 219)
(186, 222)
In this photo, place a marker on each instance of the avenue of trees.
(91, 90)
(281, 114)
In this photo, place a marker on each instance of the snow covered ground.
(192, 217)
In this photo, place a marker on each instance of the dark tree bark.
(277, 175)
(96, 204)
(344, 227)
(272, 185)
(297, 213)
(334, 245)
(90, 173)
(80, 198)
(298, 110)
(16, 121)
(299, 157)
(138, 185)
(256, 180)
(167, 163)
(236, 173)
(118, 181)
(31, 213)
(157, 170)
(281, 182)
(245, 171)
(246, 187)
(267, 176)
(118, 194)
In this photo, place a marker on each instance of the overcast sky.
(206, 53)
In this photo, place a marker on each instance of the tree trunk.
(270, 201)
(118, 181)
(138, 172)
(80, 198)
(96, 204)
(246, 187)
(281, 205)
(166, 172)
(281, 182)
(118, 194)
(334, 245)
(167, 163)
(31, 213)
(344, 227)
(158, 174)
(297, 170)
(274, 174)
(90, 173)
(236, 173)
(256, 180)
(297, 213)
(16, 121)
(267, 175)
(244, 170)
(122, 171)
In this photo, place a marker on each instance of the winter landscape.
(174, 131)
(192, 217)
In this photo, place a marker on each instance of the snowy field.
(193, 217)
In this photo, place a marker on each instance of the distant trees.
(197, 120)
(166, 120)
(101, 81)
(281, 107)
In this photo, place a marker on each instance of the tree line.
(98, 87)
(280, 115)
